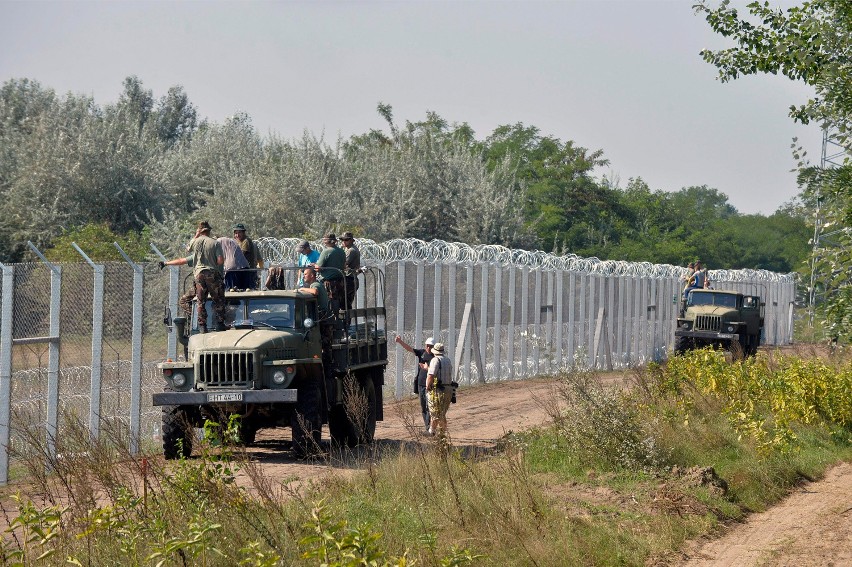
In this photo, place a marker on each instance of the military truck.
(722, 319)
(268, 369)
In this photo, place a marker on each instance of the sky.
(622, 76)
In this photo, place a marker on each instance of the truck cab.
(723, 319)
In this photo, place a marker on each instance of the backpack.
(441, 385)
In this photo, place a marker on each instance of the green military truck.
(268, 368)
(721, 319)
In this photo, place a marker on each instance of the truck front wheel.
(306, 423)
(354, 421)
(682, 344)
(177, 433)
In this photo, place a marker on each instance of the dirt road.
(813, 526)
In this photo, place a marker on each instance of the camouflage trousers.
(207, 283)
(334, 288)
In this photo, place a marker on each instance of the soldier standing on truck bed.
(351, 267)
(206, 259)
(251, 252)
(331, 263)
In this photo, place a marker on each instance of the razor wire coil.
(283, 251)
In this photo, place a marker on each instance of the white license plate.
(227, 397)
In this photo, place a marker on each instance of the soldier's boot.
(221, 326)
(202, 328)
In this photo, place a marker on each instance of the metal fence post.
(97, 344)
(525, 300)
(483, 317)
(174, 275)
(136, 352)
(468, 298)
(537, 322)
(436, 306)
(559, 331)
(418, 305)
(572, 298)
(548, 321)
(451, 308)
(6, 312)
(510, 329)
(400, 324)
(498, 320)
(582, 335)
(52, 424)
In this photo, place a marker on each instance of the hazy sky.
(623, 76)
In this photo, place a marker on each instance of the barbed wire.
(283, 251)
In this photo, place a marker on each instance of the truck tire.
(346, 427)
(177, 433)
(753, 341)
(306, 423)
(248, 433)
(682, 344)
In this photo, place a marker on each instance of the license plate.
(226, 397)
(725, 336)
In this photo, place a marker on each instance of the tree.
(810, 43)
(565, 206)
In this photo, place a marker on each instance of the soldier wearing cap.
(251, 252)
(206, 259)
(331, 262)
(424, 357)
(351, 267)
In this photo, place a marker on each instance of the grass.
(619, 478)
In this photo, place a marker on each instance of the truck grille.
(281, 353)
(226, 368)
(708, 323)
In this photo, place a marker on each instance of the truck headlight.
(731, 328)
(179, 380)
(279, 377)
(685, 325)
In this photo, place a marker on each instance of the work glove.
(161, 264)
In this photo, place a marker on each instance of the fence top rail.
(282, 250)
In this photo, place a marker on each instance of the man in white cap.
(439, 389)
(424, 357)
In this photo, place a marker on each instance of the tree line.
(147, 169)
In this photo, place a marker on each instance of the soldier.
(440, 390)
(206, 259)
(351, 267)
(251, 252)
(331, 262)
(326, 327)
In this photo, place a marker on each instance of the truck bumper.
(708, 335)
(288, 395)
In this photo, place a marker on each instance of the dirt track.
(813, 526)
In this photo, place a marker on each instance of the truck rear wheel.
(354, 422)
(177, 433)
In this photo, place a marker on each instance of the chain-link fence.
(81, 341)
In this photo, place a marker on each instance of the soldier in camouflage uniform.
(331, 263)
(207, 259)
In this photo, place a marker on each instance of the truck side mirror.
(180, 329)
(308, 323)
(167, 317)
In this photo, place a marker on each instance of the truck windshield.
(705, 298)
(266, 312)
